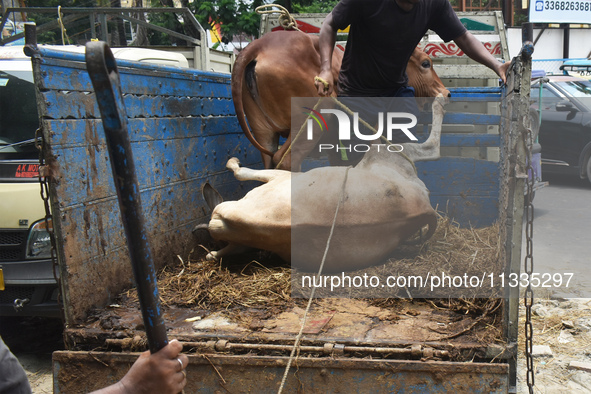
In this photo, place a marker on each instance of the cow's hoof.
(233, 164)
(212, 256)
(200, 227)
(441, 100)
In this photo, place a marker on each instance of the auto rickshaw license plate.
(1, 280)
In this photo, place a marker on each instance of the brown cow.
(384, 203)
(281, 65)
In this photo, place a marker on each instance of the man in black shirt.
(382, 37)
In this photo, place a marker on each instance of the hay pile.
(259, 281)
(213, 285)
(455, 251)
(452, 251)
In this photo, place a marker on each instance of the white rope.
(373, 130)
(348, 110)
(299, 336)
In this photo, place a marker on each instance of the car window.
(580, 90)
(576, 88)
(18, 115)
(549, 96)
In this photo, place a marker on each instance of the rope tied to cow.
(312, 293)
(286, 21)
(373, 130)
(293, 140)
(322, 81)
(350, 112)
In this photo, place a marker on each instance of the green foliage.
(308, 6)
(63, 3)
(234, 16)
(239, 16)
(163, 19)
(323, 7)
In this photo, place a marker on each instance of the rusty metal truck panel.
(87, 371)
(182, 128)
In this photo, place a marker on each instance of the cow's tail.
(246, 57)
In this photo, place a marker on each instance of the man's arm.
(475, 50)
(327, 40)
(160, 372)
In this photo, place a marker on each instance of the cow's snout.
(441, 89)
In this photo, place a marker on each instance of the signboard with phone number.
(560, 11)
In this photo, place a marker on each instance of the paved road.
(562, 232)
(33, 340)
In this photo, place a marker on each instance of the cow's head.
(422, 76)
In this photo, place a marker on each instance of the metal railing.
(551, 66)
(98, 18)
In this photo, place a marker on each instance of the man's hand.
(324, 83)
(328, 36)
(161, 372)
(502, 72)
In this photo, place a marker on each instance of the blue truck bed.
(183, 130)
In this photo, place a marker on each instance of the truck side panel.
(238, 374)
(183, 130)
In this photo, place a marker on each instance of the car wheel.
(588, 168)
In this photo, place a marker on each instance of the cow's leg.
(248, 174)
(302, 147)
(230, 249)
(290, 156)
(267, 160)
(430, 149)
(282, 158)
(262, 128)
(268, 140)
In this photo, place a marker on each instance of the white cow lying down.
(384, 204)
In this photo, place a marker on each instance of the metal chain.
(528, 298)
(44, 174)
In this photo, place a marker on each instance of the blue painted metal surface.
(105, 80)
(466, 189)
(476, 90)
(464, 118)
(478, 140)
(182, 130)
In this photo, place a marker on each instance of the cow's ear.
(212, 197)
